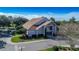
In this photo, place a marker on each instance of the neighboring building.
(40, 26)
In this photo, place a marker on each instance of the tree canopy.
(11, 21)
(72, 19)
(53, 19)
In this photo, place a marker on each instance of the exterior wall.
(42, 30)
(53, 31)
(54, 28)
(31, 32)
(35, 32)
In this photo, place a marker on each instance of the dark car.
(5, 35)
(2, 44)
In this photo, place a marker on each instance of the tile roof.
(33, 27)
(31, 22)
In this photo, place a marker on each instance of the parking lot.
(32, 46)
(35, 45)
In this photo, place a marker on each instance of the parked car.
(2, 44)
(5, 35)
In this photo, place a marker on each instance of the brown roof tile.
(31, 22)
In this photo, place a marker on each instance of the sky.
(59, 13)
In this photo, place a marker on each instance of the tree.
(72, 20)
(19, 21)
(4, 21)
(10, 21)
(52, 19)
(58, 22)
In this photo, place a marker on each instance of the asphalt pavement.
(32, 45)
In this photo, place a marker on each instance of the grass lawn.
(16, 38)
(48, 49)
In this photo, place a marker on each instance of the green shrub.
(55, 48)
(60, 48)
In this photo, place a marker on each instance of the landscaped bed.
(16, 38)
(20, 38)
(60, 48)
